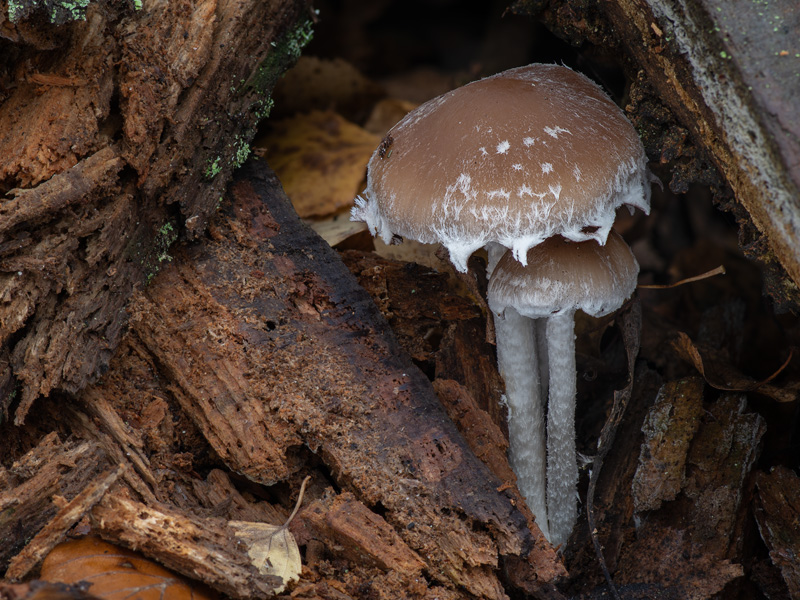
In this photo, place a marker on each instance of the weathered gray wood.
(730, 72)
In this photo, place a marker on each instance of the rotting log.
(270, 346)
(673, 501)
(118, 134)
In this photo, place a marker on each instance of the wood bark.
(270, 345)
(730, 74)
(203, 548)
(118, 133)
(32, 487)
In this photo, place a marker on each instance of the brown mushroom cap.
(565, 276)
(515, 158)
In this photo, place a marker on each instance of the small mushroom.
(560, 278)
(511, 160)
(507, 162)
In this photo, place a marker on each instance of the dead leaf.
(721, 375)
(343, 234)
(272, 548)
(325, 84)
(117, 573)
(386, 113)
(321, 160)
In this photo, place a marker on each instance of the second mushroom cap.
(565, 276)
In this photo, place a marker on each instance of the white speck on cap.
(564, 276)
(433, 180)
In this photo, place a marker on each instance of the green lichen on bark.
(283, 55)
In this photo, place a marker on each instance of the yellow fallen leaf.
(272, 548)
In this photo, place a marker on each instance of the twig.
(720, 270)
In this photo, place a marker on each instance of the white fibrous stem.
(562, 465)
(541, 356)
(516, 358)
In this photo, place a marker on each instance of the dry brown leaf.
(386, 113)
(723, 376)
(321, 160)
(116, 573)
(323, 84)
(272, 548)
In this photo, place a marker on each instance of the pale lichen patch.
(503, 147)
(547, 168)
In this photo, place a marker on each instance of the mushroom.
(560, 278)
(507, 162)
(512, 160)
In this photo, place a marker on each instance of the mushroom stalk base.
(562, 465)
(516, 357)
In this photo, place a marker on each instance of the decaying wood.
(205, 548)
(778, 513)
(364, 536)
(702, 557)
(689, 522)
(117, 134)
(56, 529)
(43, 590)
(31, 489)
(269, 344)
(441, 330)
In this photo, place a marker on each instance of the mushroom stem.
(516, 359)
(541, 357)
(562, 465)
(494, 253)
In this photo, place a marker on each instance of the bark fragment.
(32, 486)
(777, 514)
(202, 548)
(163, 102)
